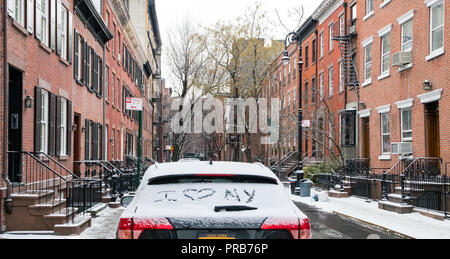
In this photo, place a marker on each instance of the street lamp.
(295, 38)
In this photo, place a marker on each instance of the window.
(354, 12)
(313, 90)
(321, 93)
(44, 21)
(294, 102)
(368, 63)
(369, 7)
(437, 27)
(322, 44)
(295, 68)
(341, 77)
(407, 36)
(314, 48)
(306, 56)
(17, 11)
(114, 40)
(330, 40)
(79, 58)
(63, 31)
(385, 134)
(44, 121)
(306, 92)
(113, 89)
(385, 53)
(63, 128)
(107, 83)
(342, 25)
(406, 117)
(118, 93)
(330, 81)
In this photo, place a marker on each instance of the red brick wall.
(407, 84)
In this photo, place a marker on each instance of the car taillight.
(131, 228)
(299, 228)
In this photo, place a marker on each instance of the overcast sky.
(207, 12)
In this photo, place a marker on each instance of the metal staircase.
(346, 46)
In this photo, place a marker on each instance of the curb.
(374, 225)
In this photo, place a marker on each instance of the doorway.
(365, 131)
(432, 134)
(15, 125)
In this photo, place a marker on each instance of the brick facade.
(404, 84)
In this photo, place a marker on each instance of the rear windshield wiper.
(233, 208)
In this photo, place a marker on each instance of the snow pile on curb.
(413, 225)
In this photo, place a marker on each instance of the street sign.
(306, 124)
(134, 104)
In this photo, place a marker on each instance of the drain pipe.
(8, 201)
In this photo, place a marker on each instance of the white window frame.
(438, 51)
(330, 41)
(342, 25)
(44, 121)
(385, 55)
(369, 9)
(409, 139)
(45, 22)
(330, 81)
(341, 76)
(321, 90)
(19, 11)
(367, 64)
(63, 128)
(410, 42)
(384, 134)
(322, 44)
(63, 16)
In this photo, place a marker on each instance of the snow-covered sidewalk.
(102, 227)
(413, 225)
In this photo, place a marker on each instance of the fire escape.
(346, 37)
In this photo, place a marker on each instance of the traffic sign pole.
(139, 149)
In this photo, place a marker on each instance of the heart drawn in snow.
(196, 195)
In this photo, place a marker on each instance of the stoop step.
(395, 207)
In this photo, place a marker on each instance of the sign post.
(135, 104)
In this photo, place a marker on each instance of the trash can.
(293, 183)
(305, 188)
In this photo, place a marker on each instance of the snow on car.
(212, 200)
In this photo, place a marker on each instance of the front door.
(432, 134)
(365, 149)
(15, 126)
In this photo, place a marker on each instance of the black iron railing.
(84, 194)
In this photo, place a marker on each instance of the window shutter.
(70, 31)
(95, 142)
(30, 16)
(76, 55)
(101, 72)
(51, 124)
(88, 66)
(87, 124)
(58, 126)
(95, 72)
(85, 66)
(38, 21)
(58, 28)
(52, 29)
(37, 119)
(69, 128)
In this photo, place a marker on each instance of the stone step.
(76, 227)
(395, 207)
(31, 198)
(46, 209)
(398, 190)
(60, 217)
(397, 198)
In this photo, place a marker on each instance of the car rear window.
(183, 179)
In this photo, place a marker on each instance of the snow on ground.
(102, 227)
(413, 225)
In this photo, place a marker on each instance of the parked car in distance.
(218, 200)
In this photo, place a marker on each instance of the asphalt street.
(326, 225)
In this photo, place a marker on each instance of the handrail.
(56, 162)
(39, 161)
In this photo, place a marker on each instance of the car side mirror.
(126, 200)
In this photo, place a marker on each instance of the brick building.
(70, 67)
(404, 71)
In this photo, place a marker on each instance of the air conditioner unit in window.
(401, 58)
(402, 148)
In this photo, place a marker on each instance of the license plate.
(216, 236)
